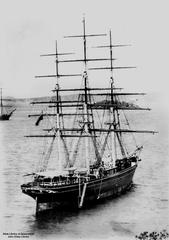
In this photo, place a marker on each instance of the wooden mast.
(112, 102)
(115, 111)
(86, 116)
(57, 111)
(86, 104)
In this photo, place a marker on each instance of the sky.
(29, 28)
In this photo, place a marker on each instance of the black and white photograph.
(84, 119)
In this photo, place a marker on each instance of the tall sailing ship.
(87, 158)
(6, 110)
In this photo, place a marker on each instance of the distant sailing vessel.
(90, 159)
(5, 113)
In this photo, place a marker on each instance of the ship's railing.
(60, 181)
(69, 180)
(98, 173)
(63, 180)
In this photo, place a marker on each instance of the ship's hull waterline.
(5, 117)
(71, 195)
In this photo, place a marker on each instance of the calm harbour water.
(144, 208)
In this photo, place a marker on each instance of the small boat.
(6, 111)
(90, 160)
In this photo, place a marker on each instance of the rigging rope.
(48, 155)
(127, 122)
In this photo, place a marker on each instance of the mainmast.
(86, 116)
(87, 100)
(58, 111)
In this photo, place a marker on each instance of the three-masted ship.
(6, 111)
(87, 158)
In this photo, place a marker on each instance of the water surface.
(144, 208)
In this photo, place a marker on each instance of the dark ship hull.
(80, 194)
(5, 116)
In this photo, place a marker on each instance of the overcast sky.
(29, 28)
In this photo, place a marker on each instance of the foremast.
(114, 107)
(115, 121)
